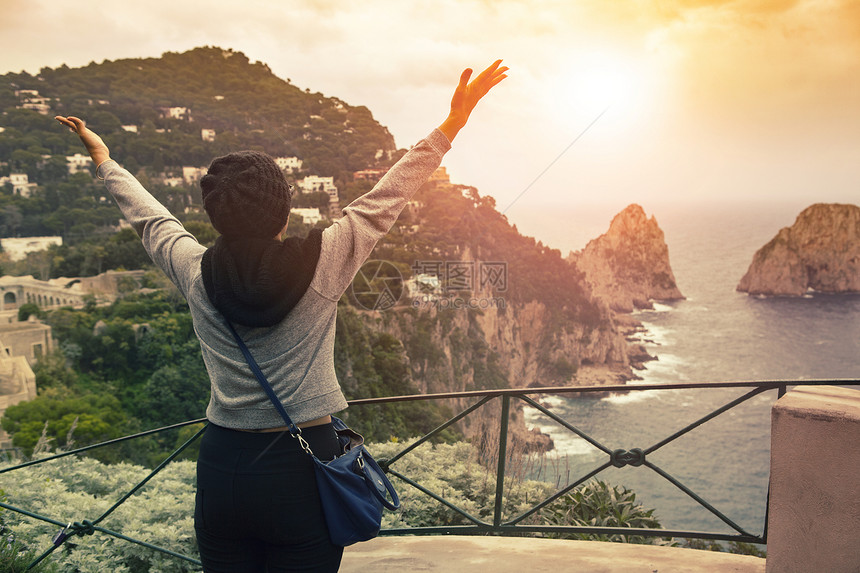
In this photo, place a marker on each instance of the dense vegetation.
(78, 489)
(136, 365)
(245, 103)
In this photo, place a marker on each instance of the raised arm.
(468, 94)
(348, 242)
(168, 244)
(94, 144)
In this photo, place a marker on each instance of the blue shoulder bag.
(352, 486)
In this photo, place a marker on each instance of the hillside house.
(289, 164)
(315, 184)
(207, 135)
(17, 384)
(78, 162)
(309, 216)
(18, 247)
(175, 112)
(372, 175)
(192, 175)
(20, 184)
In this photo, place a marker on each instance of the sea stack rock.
(820, 252)
(628, 267)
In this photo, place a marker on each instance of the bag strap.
(261, 378)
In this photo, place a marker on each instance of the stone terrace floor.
(453, 554)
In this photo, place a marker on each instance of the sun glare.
(598, 81)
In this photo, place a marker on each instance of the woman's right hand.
(94, 144)
(468, 94)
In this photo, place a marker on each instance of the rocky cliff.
(628, 266)
(819, 252)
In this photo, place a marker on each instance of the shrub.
(597, 504)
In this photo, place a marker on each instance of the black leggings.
(257, 506)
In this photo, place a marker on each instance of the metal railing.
(637, 457)
(618, 457)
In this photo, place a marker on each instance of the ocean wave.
(631, 397)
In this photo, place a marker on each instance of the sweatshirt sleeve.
(173, 249)
(347, 243)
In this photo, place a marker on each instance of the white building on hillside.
(309, 216)
(315, 183)
(18, 247)
(20, 184)
(78, 162)
(289, 164)
(193, 174)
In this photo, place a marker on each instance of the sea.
(715, 335)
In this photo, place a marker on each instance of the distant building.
(423, 286)
(64, 291)
(18, 247)
(193, 174)
(20, 184)
(315, 184)
(29, 339)
(78, 162)
(175, 112)
(440, 176)
(33, 101)
(373, 175)
(129, 128)
(309, 216)
(17, 384)
(289, 164)
(174, 181)
(207, 135)
(16, 291)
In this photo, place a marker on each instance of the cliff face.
(515, 347)
(819, 252)
(628, 266)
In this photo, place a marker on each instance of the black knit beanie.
(245, 194)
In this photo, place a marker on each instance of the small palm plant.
(597, 504)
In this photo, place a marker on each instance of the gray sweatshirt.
(296, 355)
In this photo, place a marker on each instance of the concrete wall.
(814, 511)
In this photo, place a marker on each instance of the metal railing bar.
(432, 433)
(438, 498)
(618, 388)
(503, 454)
(100, 529)
(137, 487)
(148, 545)
(101, 444)
(558, 494)
(566, 424)
(32, 514)
(698, 499)
(700, 421)
(160, 467)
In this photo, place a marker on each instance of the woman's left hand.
(94, 144)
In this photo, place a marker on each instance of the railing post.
(503, 454)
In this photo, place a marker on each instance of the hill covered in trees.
(246, 105)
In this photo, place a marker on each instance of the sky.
(606, 104)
